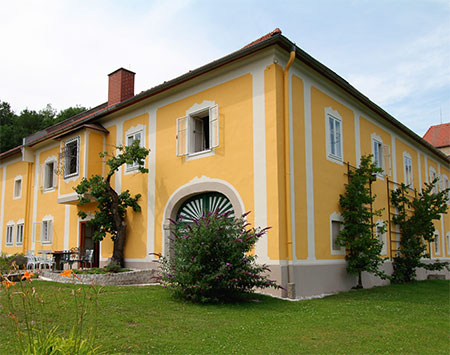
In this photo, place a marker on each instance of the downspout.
(287, 168)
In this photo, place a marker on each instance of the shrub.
(211, 259)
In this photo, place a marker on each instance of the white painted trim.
(140, 128)
(66, 226)
(291, 168)
(17, 178)
(394, 157)
(151, 187)
(86, 153)
(54, 160)
(2, 215)
(376, 138)
(309, 173)
(335, 217)
(438, 244)
(448, 242)
(357, 114)
(259, 163)
(48, 218)
(381, 223)
(12, 224)
(35, 199)
(406, 155)
(419, 167)
(20, 222)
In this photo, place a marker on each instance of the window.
(334, 137)
(137, 136)
(10, 233)
(407, 167)
(381, 236)
(71, 157)
(49, 175)
(336, 226)
(377, 148)
(17, 188)
(446, 185)
(381, 155)
(448, 242)
(46, 231)
(198, 132)
(19, 234)
(437, 243)
(433, 176)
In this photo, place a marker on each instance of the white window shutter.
(182, 136)
(214, 126)
(50, 231)
(387, 159)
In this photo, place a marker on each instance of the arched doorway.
(199, 205)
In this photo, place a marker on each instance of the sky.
(60, 52)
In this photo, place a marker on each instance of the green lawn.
(405, 319)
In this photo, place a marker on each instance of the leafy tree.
(13, 128)
(110, 216)
(211, 261)
(415, 219)
(363, 249)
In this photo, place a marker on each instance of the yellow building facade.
(241, 133)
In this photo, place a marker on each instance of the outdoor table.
(58, 254)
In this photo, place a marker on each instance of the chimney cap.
(115, 71)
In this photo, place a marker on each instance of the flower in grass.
(8, 283)
(68, 273)
(27, 275)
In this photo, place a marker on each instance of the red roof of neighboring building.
(439, 135)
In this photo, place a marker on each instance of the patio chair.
(31, 262)
(88, 257)
(66, 259)
(46, 261)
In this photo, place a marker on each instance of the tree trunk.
(359, 281)
(121, 226)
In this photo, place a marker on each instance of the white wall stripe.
(291, 168)
(151, 191)
(2, 206)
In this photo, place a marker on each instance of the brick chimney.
(121, 86)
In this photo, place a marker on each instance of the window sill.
(49, 189)
(337, 252)
(335, 159)
(202, 154)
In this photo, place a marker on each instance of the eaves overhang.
(276, 39)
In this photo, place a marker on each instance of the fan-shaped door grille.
(199, 205)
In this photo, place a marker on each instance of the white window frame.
(77, 172)
(20, 227)
(445, 185)
(384, 155)
(437, 243)
(17, 193)
(132, 132)
(47, 231)
(409, 177)
(44, 176)
(431, 176)
(382, 237)
(338, 146)
(10, 228)
(185, 130)
(336, 217)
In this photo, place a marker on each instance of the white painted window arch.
(17, 189)
(334, 135)
(408, 170)
(19, 231)
(133, 134)
(10, 226)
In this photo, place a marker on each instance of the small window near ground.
(336, 227)
(71, 157)
(437, 243)
(19, 234)
(17, 188)
(137, 136)
(46, 231)
(381, 236)
(9, 234)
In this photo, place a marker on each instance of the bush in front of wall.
(211, 259)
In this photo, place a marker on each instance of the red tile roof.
(438, 135)
(276, 31)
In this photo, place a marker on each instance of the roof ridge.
(275, 32)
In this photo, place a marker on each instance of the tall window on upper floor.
(49, 177)
(17, 193)
(198, 132)
(446, 185)
(407, 169)
(381, 155)
(333, 131)
(136, 136)
(377, 148)
(72, 157)
(431, 178)
(19, 233)
(10, 233)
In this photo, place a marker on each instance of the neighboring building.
(439, 137)
(241, 133)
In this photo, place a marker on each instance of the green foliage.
(363, 249)
(13, 128)
(112, 207)
(415, 219)
(8, 262)
(211, 261)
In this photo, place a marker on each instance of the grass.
(397, 319)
